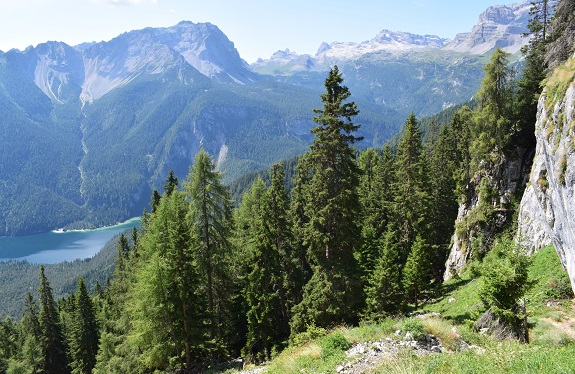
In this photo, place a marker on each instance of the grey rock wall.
(547, 210)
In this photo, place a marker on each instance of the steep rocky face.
(499, 26)
(208, 49)
(479, 221)
(547, 211)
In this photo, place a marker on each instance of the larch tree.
(494, 116)
(332, 235)
(210, 219)
(168, 308)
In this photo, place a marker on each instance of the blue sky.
(257, 27)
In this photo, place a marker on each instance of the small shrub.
(312, 332)
(414, 326)
(559, 288)
(562, 169)
(333, 344)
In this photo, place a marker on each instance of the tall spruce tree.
(370, 211)
(299, 223)
(442, 207)
(333, 294)
(30, 336)
(52, 341)
(264, 284)
(279, 227)
(417, 270)
(409, 187)
(384, 290)
(84, 332)
(171, 183)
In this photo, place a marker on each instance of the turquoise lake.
(53, 247)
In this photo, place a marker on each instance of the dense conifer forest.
(354, 235)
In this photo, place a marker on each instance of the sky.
(258, 28)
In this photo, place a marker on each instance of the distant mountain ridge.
(498, 25)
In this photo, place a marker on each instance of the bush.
(312, 332)
(559, 288)
(333, 344)
(414, 326)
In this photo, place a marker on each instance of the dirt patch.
(565, 325)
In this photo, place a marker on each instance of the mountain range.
(88, 131)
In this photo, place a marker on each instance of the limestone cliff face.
(480, 217)
(499, 26)
(547, 210)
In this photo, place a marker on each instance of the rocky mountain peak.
(498, 26)
(406, 38)
(56, 68)
(385, 40)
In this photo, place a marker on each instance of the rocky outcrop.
(499, 26)
(547, 210)
(481, 218)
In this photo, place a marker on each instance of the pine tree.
(370, 211)
(494, 116)
(299, 223)
(333, 295)
(52, 342)
(410, 193)
(84, 332)
(8, 342)
(30, 335)
(384, 289)
(384, 194)
(264, 283)
(442, 207)
(156, 197)
(272, 280)
(561, 34)
(416, 272)
(171, 183)
(124, 247)
(279, 226)
(460, 135)
(210, 218)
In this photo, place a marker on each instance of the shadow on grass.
(440, 303)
